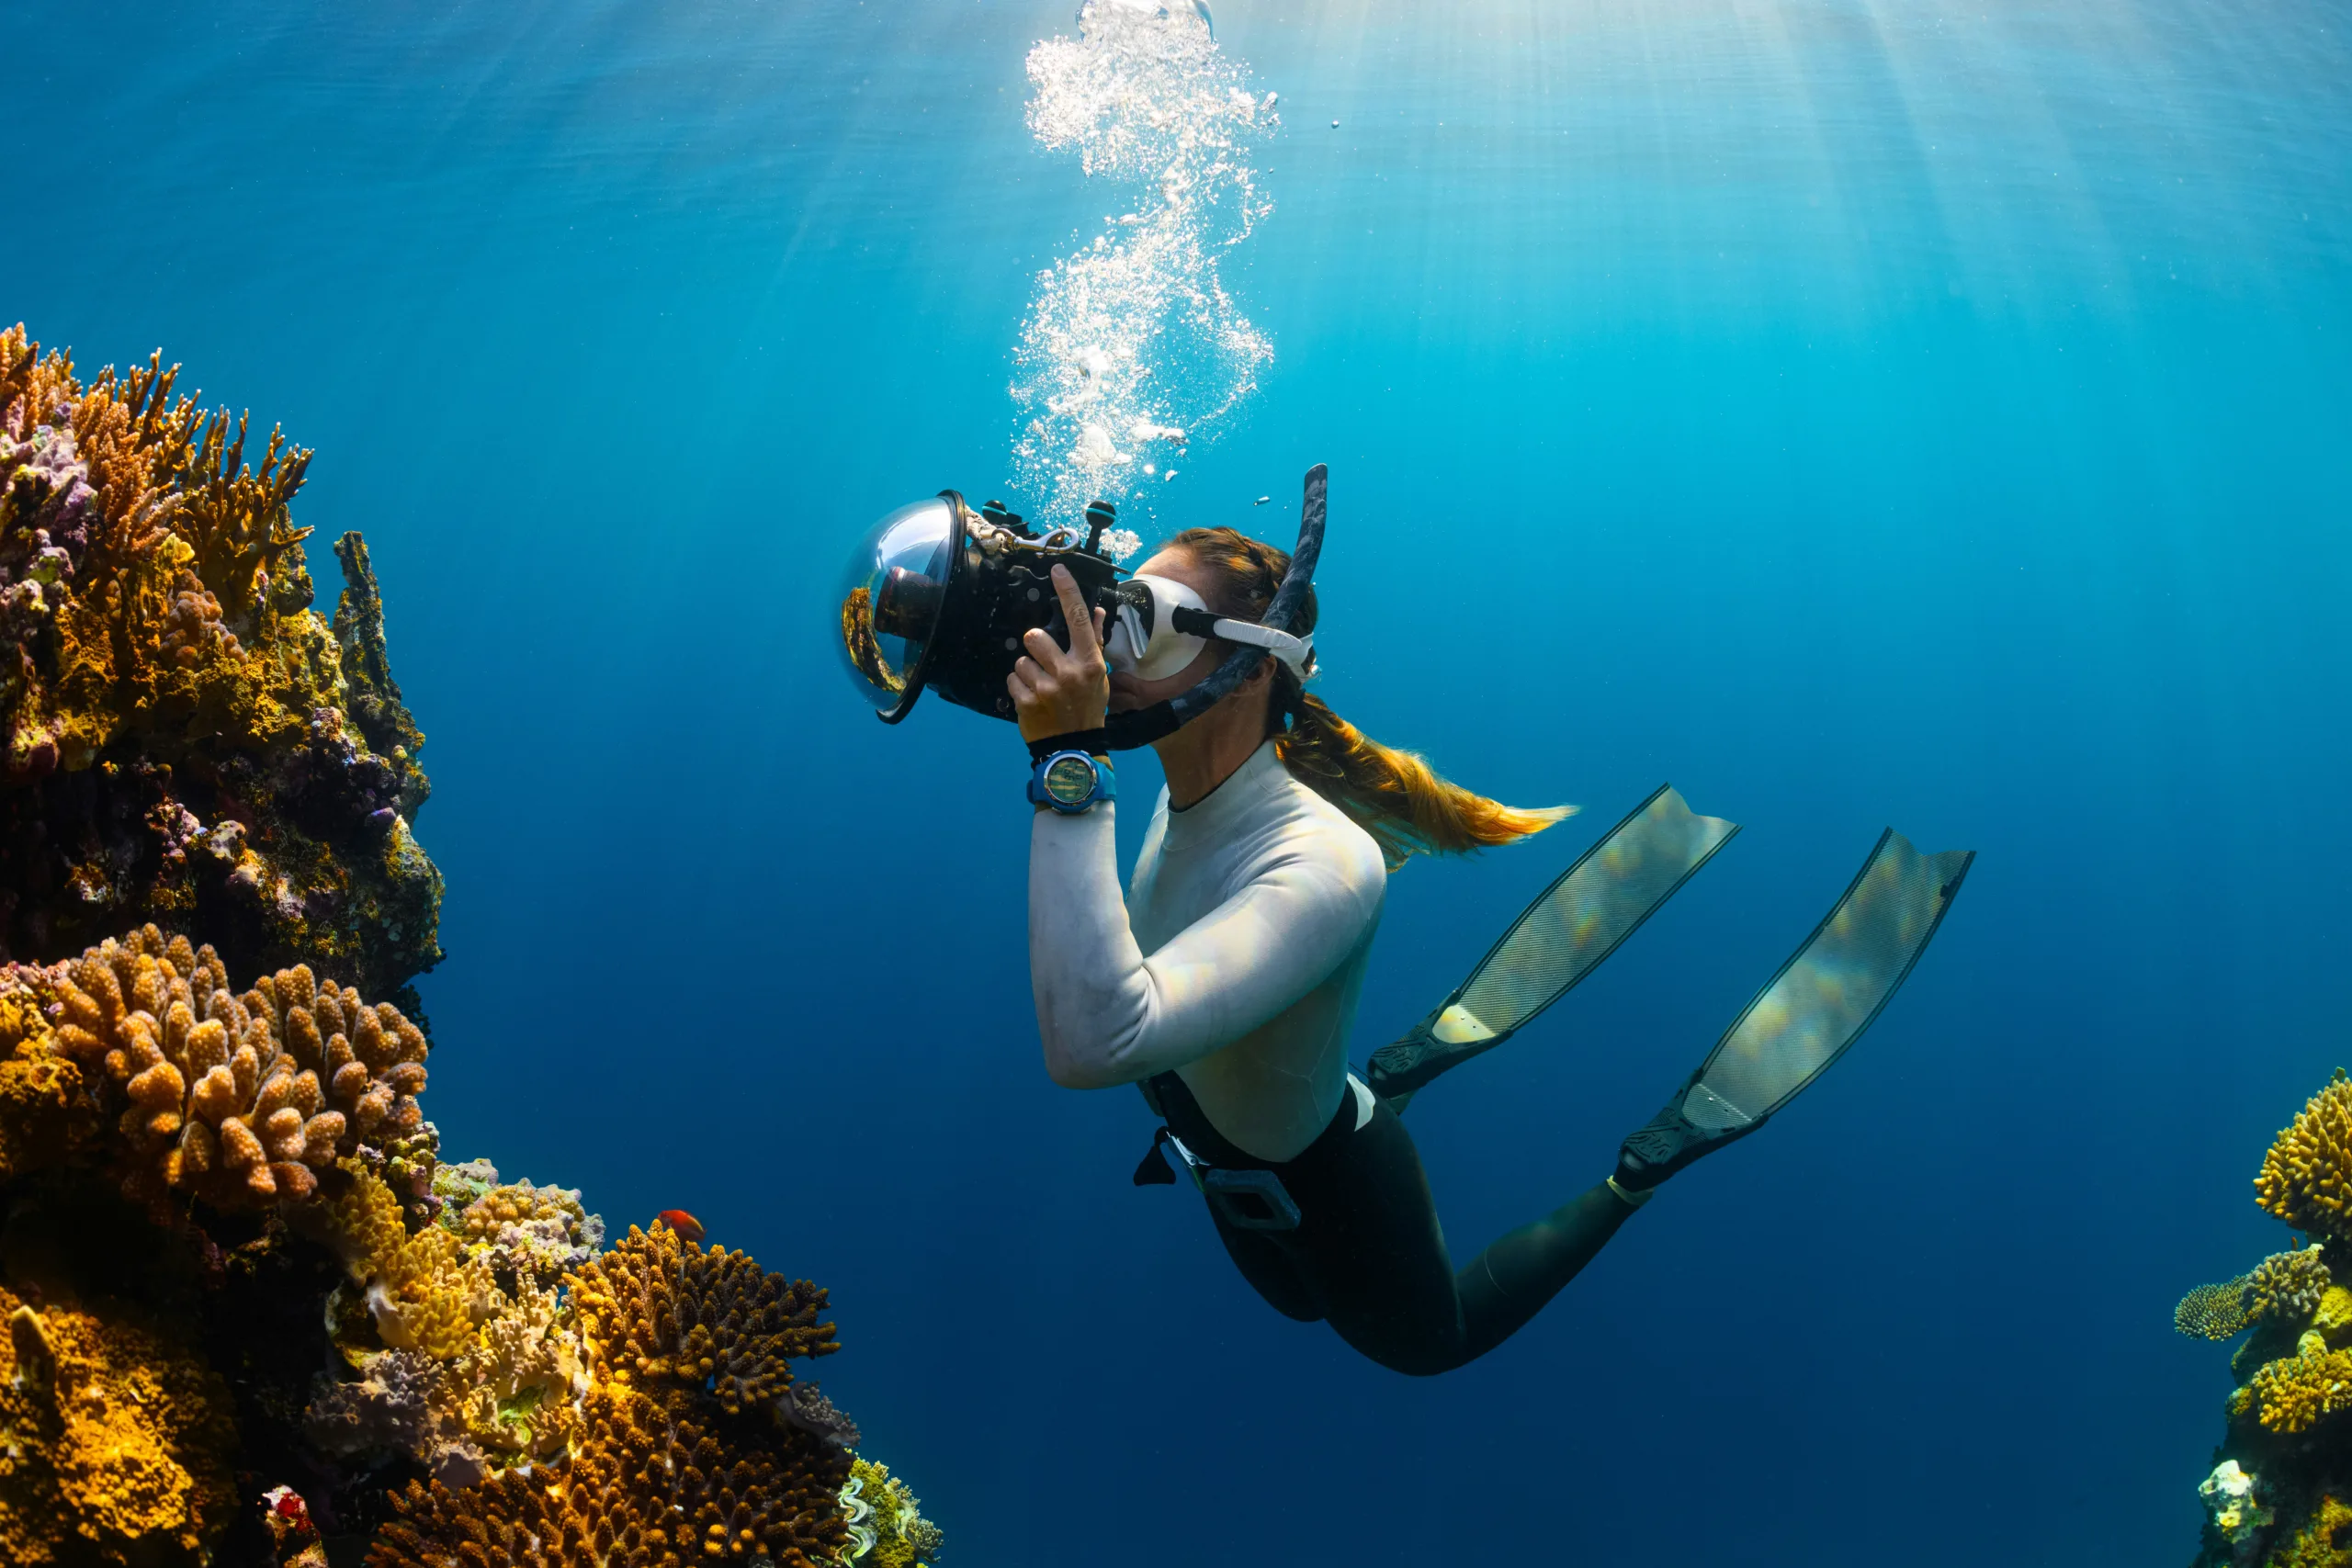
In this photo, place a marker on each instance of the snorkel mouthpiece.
(938, 596)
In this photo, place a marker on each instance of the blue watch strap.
(1072, 782)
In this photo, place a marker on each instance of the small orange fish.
(685, 1225)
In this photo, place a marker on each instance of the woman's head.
(1236, 576)
(1392, 795)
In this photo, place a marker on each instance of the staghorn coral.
(2214, 1312)
(114, 1442)
(2306, 1178)
(181, 735)
(886, 1528)
(2288, 1286)
(237, 1101)
(658, 1307)
(653, 1482)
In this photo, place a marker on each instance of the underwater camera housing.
(939, 595)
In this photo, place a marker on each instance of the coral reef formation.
(886, 1528)
(682, 1449)
(659, 1306)
(526, 1231)
(237, 1101)
(182, 739)
(114, 1440)
(208, 1195)
(2281, 1493)
(2283, 1286)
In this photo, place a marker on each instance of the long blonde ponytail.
(1394, 795)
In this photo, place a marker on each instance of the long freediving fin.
(1830, 990)
(1582, 917)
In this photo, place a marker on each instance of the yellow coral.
(2334, 1319)
(45, 1112)
(653, 1482)
(2306, 1178)
(238, 1100)
(2324, 1541)
(2293, 1393)
(421, 1293)
(517, 1384)
(886, 1524)
(2213, 1311)
(118, 1442)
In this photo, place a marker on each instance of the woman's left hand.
(1058, 691)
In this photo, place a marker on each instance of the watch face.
(1070, 780)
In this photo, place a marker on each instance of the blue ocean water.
(1856, 413)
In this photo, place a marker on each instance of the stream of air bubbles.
(1132, 347)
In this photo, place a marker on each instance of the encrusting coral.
(2306, 1178)
(115, 1441)
(182, 738)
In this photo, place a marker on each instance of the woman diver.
(1229, 983)
(1225, 983)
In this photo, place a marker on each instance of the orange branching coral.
(238, 1100)
(659, 1307)
(114, 1443)
(2292, 1393)
(2306, 1178)
(650, 1486)
(176, 723)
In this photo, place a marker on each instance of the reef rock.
(182, 739)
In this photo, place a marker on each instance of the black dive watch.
(1071, 781)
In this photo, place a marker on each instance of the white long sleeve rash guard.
(1236, 960)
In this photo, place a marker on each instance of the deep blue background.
(1855, 414)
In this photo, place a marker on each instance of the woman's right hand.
(1058, 691)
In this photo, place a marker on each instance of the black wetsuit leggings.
(1368, 1257)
